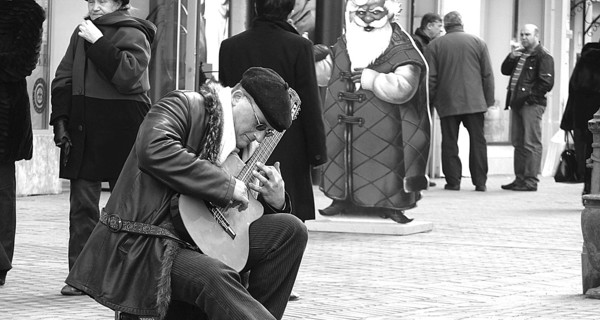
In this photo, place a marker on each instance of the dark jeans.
(277, 243)
(83, 214)
(451, 164)
(8, 215)
(526, 137)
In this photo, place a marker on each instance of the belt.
(114, 223)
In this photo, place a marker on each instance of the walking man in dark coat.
(274, 43)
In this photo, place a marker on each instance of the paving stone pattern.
(491, 255)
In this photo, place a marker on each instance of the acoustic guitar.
(223, 232)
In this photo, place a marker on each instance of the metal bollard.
(590, 220)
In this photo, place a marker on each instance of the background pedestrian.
(99, 99)
(531, 71)
(20, 39)
(461, 88)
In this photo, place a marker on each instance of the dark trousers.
(84, 213)
(451, 164)
(526, 137)
(277, 243)
(8, 216)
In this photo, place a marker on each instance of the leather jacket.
(536, 79)
(129, 272)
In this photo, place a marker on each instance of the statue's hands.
(240, 195)
(270, 184)
(89, 31)
(320, 51)
(356, 74)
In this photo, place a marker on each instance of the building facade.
(186, 48)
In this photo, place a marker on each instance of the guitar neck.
(261, 154)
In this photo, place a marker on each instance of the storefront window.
(178, 46)
(37, 82)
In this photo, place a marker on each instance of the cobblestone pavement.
(492, 255)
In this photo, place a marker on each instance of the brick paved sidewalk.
(493, 255)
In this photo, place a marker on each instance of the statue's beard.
(366, 46)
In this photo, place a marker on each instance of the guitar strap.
(114, 223)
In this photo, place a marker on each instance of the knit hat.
(270, 92)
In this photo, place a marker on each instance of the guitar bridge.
(222, 221)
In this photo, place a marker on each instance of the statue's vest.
(376, 149)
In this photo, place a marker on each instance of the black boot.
(335, 208)
(397, 215)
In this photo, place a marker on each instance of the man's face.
(249, 122)
(529, 38)
(371, 15)
(435, 29)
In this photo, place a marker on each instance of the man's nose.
(259, 136)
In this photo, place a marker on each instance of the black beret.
(270, 92)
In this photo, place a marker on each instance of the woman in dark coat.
(583, 102)
(20, 38)
(274, 43)
(99, 99)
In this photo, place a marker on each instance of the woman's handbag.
(566, 172)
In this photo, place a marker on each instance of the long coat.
(377, 150)
(584, 94)
(278, 46)
(101, 90)
(131, 273)
(20, 38)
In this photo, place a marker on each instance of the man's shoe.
(67, 290)
(454, 187)
(524, 187)
(294, 296)
(509, 186)
(480, 188)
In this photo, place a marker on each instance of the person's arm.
(395, 87)
(509, 63)
(123, 59)
(487, 76)
(62, 87)
(545, 77)
(323, 70)
(164, 154)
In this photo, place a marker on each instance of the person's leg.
(8, 217)
(516, 137)
(532, 143)
(83, 214)
(277, 243)
(478, 161)
(214, 288)
(451, 165)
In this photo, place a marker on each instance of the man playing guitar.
(139, 262)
